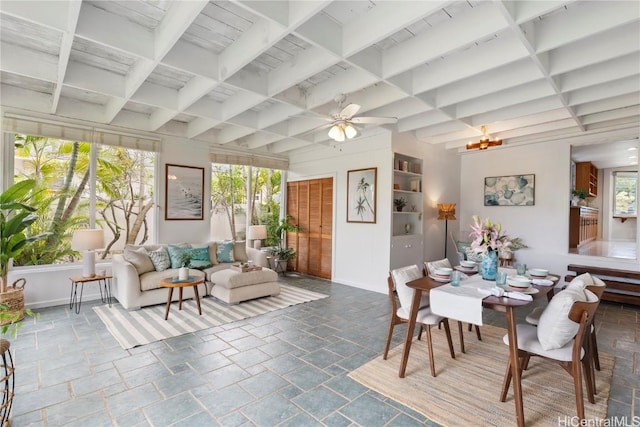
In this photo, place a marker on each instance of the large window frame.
(106, 140)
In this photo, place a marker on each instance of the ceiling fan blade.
(375, 120)
(327, 126)
(349, 111)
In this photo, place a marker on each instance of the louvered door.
(310, 204)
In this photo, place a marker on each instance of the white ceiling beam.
(23, 98)
(513, 111)
(418, 121)
(206, 108)
(73, 12)
(607, 116)
(288, 144)
(322, 32)
(349, 81)
(195, 89)
(581, 20)
(523, 11)
(52, 14)
(240, 103)
(98, 25)
(251, 44)
(193, 60)
(619, 42)
(405, 107)
(479, 59)
(231, 133)
(449, 36)
(103, 81)
(516, 95)
(160, 117)
(384, 20)
(76, 108)
(199, 126)
(300, 68)
(617, 68)
(275, 114)
(605, 90)
(157, 96)
(613, 103)
(27, 62)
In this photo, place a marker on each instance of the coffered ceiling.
(261, 75)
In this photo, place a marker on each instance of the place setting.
(468, 267)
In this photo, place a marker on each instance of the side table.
(174, 282)
(103, 282)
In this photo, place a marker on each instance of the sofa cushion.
(199, 264)
(240, 251)
(224, 251)
(212, 250)
(179, 255)
(139, 258)
(160, 259)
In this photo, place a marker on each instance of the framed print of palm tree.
(361, 195)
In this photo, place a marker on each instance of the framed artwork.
(184, 195)
(361, 195)
(511, 190)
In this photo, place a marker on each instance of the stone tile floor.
(286, 368)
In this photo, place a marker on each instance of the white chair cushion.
(425, 316)
(589, 280)
(528, 341)
(555, 329)
(432, 265)
(400, 277)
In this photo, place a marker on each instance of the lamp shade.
(87, 239)
(447, 211)
(257, 232)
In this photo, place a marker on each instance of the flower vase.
(489, 265)
(183, 273)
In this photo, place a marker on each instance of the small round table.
(173, 282)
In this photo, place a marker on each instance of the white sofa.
(134, 290)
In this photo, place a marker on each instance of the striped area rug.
(466, 390)
(144, 326)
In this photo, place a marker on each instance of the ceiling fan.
(342, 121)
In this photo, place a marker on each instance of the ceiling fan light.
(335, 132)
(350, 131)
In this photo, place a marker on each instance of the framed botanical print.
(361, 195)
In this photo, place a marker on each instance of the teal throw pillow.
(179, 255)
(200, 264)
(224, 252)
(160, 259)
(200, 254)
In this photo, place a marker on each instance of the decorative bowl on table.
(467, 264)
(518, 281)
(538, 273)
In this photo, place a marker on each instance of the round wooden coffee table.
(173, 282)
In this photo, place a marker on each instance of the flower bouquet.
(488, 239)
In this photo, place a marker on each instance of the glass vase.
(489, 265)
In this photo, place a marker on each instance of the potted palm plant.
(280, 252)
(15, 219)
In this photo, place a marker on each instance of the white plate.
(441, 279)
(524, 283)
(529, 291)
(531, 276)
(466, 269)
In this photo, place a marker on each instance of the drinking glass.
(521, 269)
(455, 278)
(501, 278)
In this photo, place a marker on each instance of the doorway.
(310, 205)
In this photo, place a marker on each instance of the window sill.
(624, 218)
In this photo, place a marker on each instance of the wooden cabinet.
(310, 204)
(587, 178)
(583, 225)
(406, 225)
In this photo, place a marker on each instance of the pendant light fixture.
(485, 142)
(342, 130)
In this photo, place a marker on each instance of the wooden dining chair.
(573, 357)
(429, 267)
(426, 319)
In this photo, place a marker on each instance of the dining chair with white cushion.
(398, 279)
(429, 267)
(560, 337)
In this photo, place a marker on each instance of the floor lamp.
(446, 211)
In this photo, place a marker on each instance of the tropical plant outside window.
(230, 206)
(123, 194)
(625, 193)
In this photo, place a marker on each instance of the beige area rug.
(144, 326)
(466, 390)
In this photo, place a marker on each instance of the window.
(119, 199)
(625, 193)
(230, 195)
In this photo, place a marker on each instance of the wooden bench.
(620, 283)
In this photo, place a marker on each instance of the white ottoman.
(232, 286)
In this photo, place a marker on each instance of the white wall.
(543, 227)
